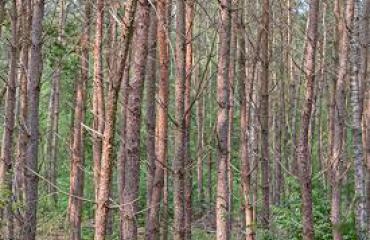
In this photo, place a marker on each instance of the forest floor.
(203, 228)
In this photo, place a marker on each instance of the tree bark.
(151, 77)
(152, 227)
(132, 165)
(338, 135)
(223, 93)
(6, 158)
(180, 145)
(232, 66)
(304, 160)
(200, 144)
(23, 137)
(245, 103)
(356, 103)
(103, 202)
(265, 166)
(33, 94)
(366, 101)
(189, 21)
(98, 94)
(122, 153)
(77, 144)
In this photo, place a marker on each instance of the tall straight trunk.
(151, 77)
(364, 11)
(366, 101)
(280, 127)
(232, 66)
(277, 191)
(189, 21)
(333, 86)
(103, 203)
(211, 125)
(356, 91)
(6, 158)
(223, 93)
(152, 225)
(33, 94)
(164, 212)
(323, 80)
(132, 165)
(180, 148)
(253, 131)
(245, 103)
(53, 121)
(265, 166)
(111, 59)
(294, 86)
(337, 152)
(77, 144)
(200, 145)
(22, 138)
(122, 151)
(304, 160)
(98, 94)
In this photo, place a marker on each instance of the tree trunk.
(304, 160)
(360, 187)
(265, 212)
(189, 21)
(77, 145)
(23, 136)
(338, 136)
(6, 158)
(122, 151)
(200, 142)
(98, 94)
(152, 227)
(33, 94)
(180, 147)
(366, 101)
(223, 93)
(132, 165)
(151, 77)
(232, 66)
(245, 96)
(164, 213)
(103, 202)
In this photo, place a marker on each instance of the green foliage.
(287, 218)
(5, 193)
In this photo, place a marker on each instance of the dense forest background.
(174, 119)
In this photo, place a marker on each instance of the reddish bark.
(132, 165)
(98, 94)
(304, 160)
(222, 203)
(103, 202)
(152, 228)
